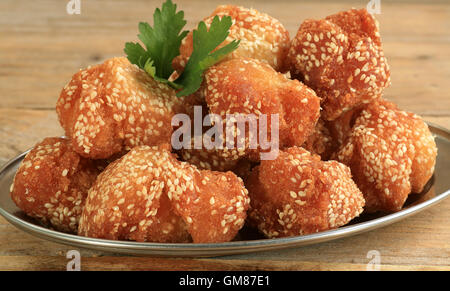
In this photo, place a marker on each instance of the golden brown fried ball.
(52, 182)
(262, 37)
(248, 87)
(114, 106)
(148, 195)
(298, 194)
(217, 207)
(128, 201)
(391, 153)
(341, 58)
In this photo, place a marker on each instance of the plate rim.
(223, 248)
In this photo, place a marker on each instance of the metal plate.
(437, 189)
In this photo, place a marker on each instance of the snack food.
(147, 195)
(52, 183)
(341, 58)
(248, 87)
(112, 107)
(391, 153)
(298, 194)
(119, 117)
(261, 36)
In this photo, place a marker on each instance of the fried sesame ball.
(261, 37)
(128, 201)
(111, 107)
(299, 194)
(341, 58)
(391, 153)
(148, 195)
(214, 204)
(52, 182)
(248, 87)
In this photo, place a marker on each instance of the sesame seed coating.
(391, 153)
(147, 195)
(248, 87)
(298, 194)
(208, 159)
(262, 37)
(127, 202)
(52, 182)
(217, 205)
(213, 160)
(341, 58)
(112, 107)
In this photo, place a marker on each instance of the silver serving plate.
(248, 240)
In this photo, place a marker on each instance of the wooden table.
(42, 46)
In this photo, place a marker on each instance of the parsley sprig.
(162, 44)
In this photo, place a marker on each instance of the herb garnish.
(162, 44)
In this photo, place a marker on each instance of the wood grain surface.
(42, 46)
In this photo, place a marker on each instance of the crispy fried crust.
(321, 142)
(341, 127)
(52, 182)
(148, 195)
(249, 87)
(213, 160)
(217, 207)
(128, 202)
(262, 37)
(391, 153)
(207, 159)
(111, 107)
(341, 58)
(299, 194)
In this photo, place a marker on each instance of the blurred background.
(42, 46)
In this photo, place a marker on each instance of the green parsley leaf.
(162, 41)
(202, 57)
(136, 54)
(162, 44)
(151, 70)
